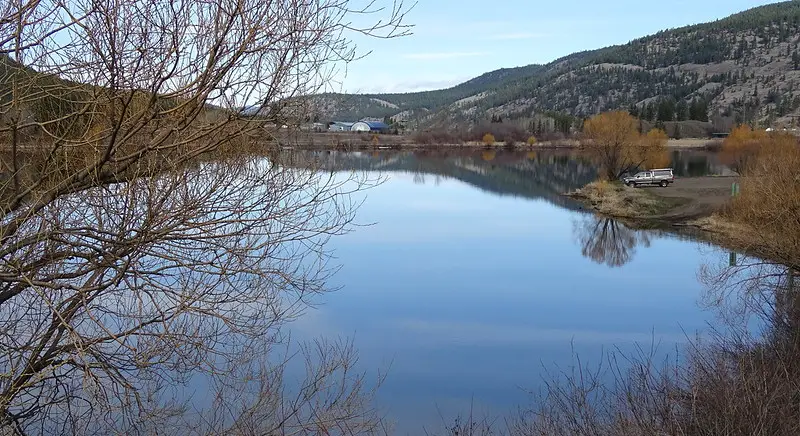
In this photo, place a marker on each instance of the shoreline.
(693, 210)
(364, 142)
(404, 144)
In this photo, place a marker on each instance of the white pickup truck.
(661, 177)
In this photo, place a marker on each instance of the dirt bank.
(687, 199)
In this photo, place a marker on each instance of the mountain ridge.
(742, 68)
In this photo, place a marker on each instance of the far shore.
(366, 141)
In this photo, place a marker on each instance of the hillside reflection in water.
(476, 273)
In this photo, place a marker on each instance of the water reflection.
(747, 289)
(746, 375)
(542, 174)
(607, 241)
(740, 376)
(115, 296)
(467, 309)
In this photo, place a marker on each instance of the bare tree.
(121, 80)
(112, 288)
(143, 241)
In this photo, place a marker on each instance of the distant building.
(340, 126)
(370, 126)
(793, 131)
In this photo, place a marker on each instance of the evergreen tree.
(703, 111)
(666, 110)
(649, 112)
(698, 110)
(682, 110)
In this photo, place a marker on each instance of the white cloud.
(516, 36)
(443, 55)
(381, 85)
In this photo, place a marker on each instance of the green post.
(734, 189)
(732, 259)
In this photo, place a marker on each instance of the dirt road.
(704, 195)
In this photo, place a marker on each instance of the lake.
(472, 277)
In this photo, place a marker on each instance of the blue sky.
(455, 40)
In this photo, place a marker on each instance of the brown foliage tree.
(613, 140)
(769, 200)
(741, 145)
(488, 139)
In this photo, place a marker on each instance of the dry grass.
(617, 200)
(731, 389)
(769, 201)
(732, 381)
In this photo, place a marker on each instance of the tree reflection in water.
(754, 290)
(607, 241)
(741, 377)
(113, 297)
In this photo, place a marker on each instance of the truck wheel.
(664, 183)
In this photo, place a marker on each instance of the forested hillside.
(409, 105)
(744, 68)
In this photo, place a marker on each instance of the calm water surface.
(475, 276)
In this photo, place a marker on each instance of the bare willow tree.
(139, 250)
(613, 140)
(118, 80)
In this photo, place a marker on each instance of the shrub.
(741, 145)
(769, 199)
(488, 139)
